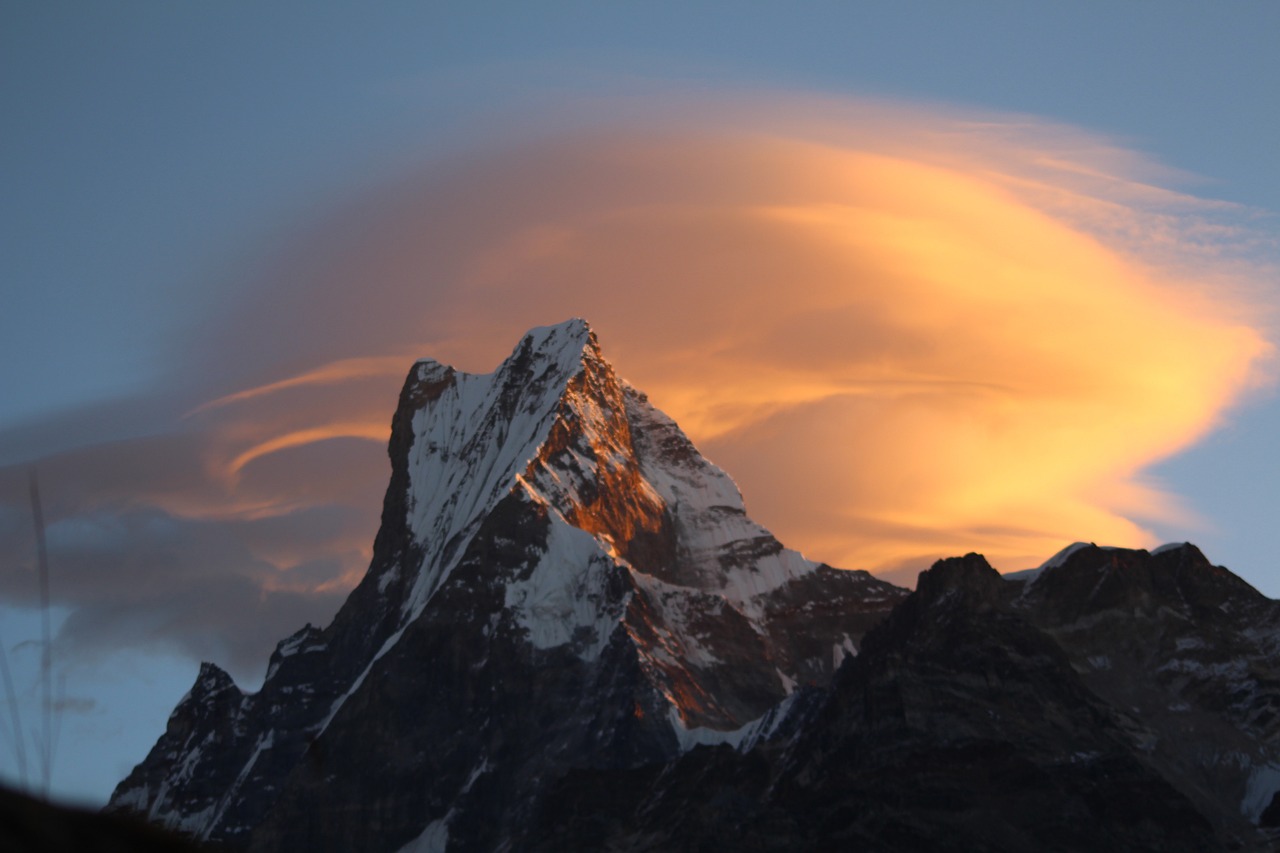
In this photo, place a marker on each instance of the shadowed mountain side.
(967, 724)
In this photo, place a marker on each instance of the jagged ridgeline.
(560, 582)
(1116, 700)
(572, 637)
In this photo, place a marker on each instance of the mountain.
(571, 636)
(1114, 700)
(560, 583)
(1191, 653)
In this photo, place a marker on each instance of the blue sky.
(158, 157)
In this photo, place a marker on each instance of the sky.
(922, 277)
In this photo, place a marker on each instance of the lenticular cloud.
(905, 333)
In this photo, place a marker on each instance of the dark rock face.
(1190, 653)
(981, 716)
(963, 726)
(560, 581)
(572, 636)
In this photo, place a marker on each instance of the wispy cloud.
(906, 332)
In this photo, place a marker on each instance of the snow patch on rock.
(743, 739)
(434, 839)
(1062, 556)
(1263, 784)
(1169, 546)
(844, 649)
(717, 529)
(470, 443)
(564, 599)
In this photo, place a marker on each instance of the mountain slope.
(1191, 651)
(560, 580)
(1117, 700)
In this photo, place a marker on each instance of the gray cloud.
(215, 583)
(75, 705)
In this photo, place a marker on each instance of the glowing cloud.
(905, 333)
(303, 437)
(328, 374)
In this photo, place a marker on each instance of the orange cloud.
(906, 334)
(333, 373)
(303, 437)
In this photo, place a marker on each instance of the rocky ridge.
(560, 581)
(572, 636)
(1116, 699)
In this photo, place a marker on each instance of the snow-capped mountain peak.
(566, 599)
(555, 556)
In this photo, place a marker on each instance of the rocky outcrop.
(1189, 652)
(560, 581)
(1116, 700)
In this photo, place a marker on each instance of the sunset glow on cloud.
(907, 338)
(905, 334)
